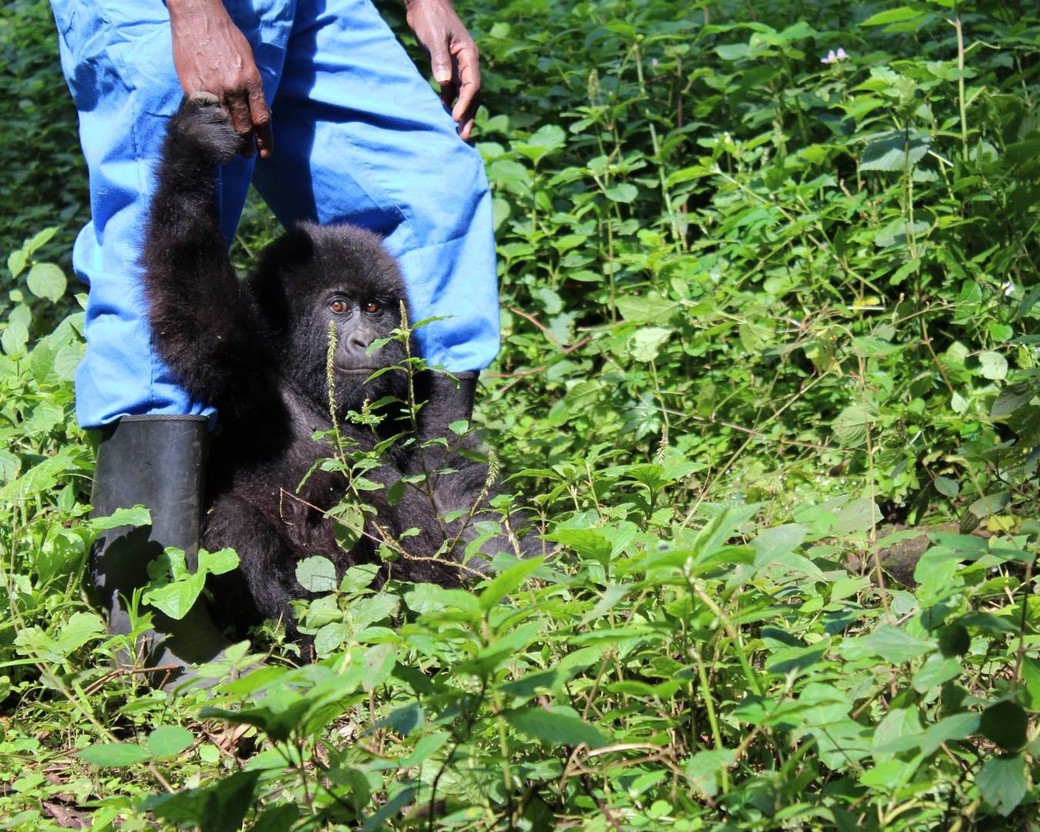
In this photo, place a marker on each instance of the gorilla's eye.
(338, 306)
(372, 307)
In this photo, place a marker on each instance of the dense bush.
(770, 293)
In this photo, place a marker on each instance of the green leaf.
(990, 504)
(704, 769)
(169, 741)
(993, 365)
(317, 574)
(508, 581)
(857, 516)
(559, 726)
(114, 754)
(647, 342)
(891, 643)
(220, 806)
(378, 663)
(46, 281)
(902, 14)
(733, 51)
(17, 261)
(956, 727)
(547, 140)
(219, 562)
(588, 543)
(895, 151)
(622, 192)
(173, 588)
(136, 516)
(775, 542)
(1003, 782)
(14, 338)
(850, 426)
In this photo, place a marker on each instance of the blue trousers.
(359, 137)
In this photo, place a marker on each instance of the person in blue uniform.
(341, 127)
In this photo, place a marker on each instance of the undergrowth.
(770, 380)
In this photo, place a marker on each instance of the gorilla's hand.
(212, 55)
(453, 57)
(202, 122)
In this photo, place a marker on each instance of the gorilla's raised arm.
(204, 322)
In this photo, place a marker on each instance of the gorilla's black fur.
(258, 351)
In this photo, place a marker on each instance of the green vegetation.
(770, 289)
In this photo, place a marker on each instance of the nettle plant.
(801, 241)
(764, 270)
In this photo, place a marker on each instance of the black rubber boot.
(157, 462)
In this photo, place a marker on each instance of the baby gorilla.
(259, 351)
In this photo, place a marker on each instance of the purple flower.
(835, 57)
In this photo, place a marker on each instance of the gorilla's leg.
(157, 462)
(445, 399)
(265, 582)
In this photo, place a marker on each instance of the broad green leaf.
(895, 151)
(1010, 399)
(993, 365)
(559, 726)
(647, 342)
(899, 730)
(17, 261)
(378, 663)
(857, 516)
(317, 574)
(934, 672)
(704, 769)
(891, 643)
(733, 51)
(425, 747)
(622, 192)
(850, 426)
(173, 588)
(220, 806)
(136, 516)
(508, 581)
(649, 308)
(430, 598)
(169, 741)
(46, 281)
(956, 727)
(777, 541)
(588, 543)
(900, 14)
(114, 754)
(217, 563)
(1003, 782)
(14, 338)
(548, 139)
(404, 720)
(990, 504)
(1031, 678)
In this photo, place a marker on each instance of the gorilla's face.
(334, 300)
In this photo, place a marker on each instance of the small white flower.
(834, 57)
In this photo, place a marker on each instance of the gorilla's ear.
(287, 253)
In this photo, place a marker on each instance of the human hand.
(453, 57)
(211, 55)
